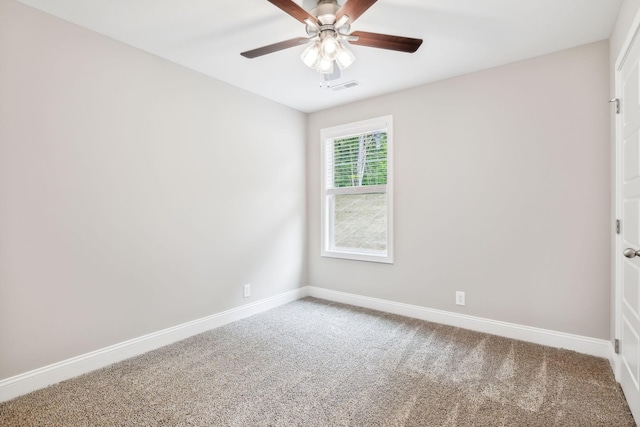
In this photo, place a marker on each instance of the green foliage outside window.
(360, 160)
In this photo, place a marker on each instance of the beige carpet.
(316, 363)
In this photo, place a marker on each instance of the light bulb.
(329, 47)
(311, 55)
(344, 57)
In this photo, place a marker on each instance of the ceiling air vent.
(347, 85)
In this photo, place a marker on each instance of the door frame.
(632, 35)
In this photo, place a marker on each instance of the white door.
(628, 208)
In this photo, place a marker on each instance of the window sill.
(358, 256)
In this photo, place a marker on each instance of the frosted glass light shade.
(311, 55)
(325, 66)
(344, 58)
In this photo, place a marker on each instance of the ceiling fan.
(328, 26)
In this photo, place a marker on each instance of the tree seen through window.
(360, 160)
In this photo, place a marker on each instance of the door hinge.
(617, 102)
(617, 226)
(617, 346)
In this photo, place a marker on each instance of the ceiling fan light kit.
(322, 54)
(328, 26)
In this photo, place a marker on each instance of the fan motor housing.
(325, 11)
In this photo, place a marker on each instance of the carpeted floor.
(317, 363)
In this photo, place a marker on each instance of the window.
(357, 220)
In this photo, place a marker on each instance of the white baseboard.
(66, 369)
(581, 344)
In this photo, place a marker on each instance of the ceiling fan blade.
(353, 9)
(293, 9)
(384, 41)
(264, 50)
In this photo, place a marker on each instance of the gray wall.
(135, 195)
(502, 190)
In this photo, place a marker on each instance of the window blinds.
(357, 161)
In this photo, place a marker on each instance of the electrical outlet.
(459, 298)
(247, 290)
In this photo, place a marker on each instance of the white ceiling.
(460, 36)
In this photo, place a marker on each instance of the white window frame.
(344, 131)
